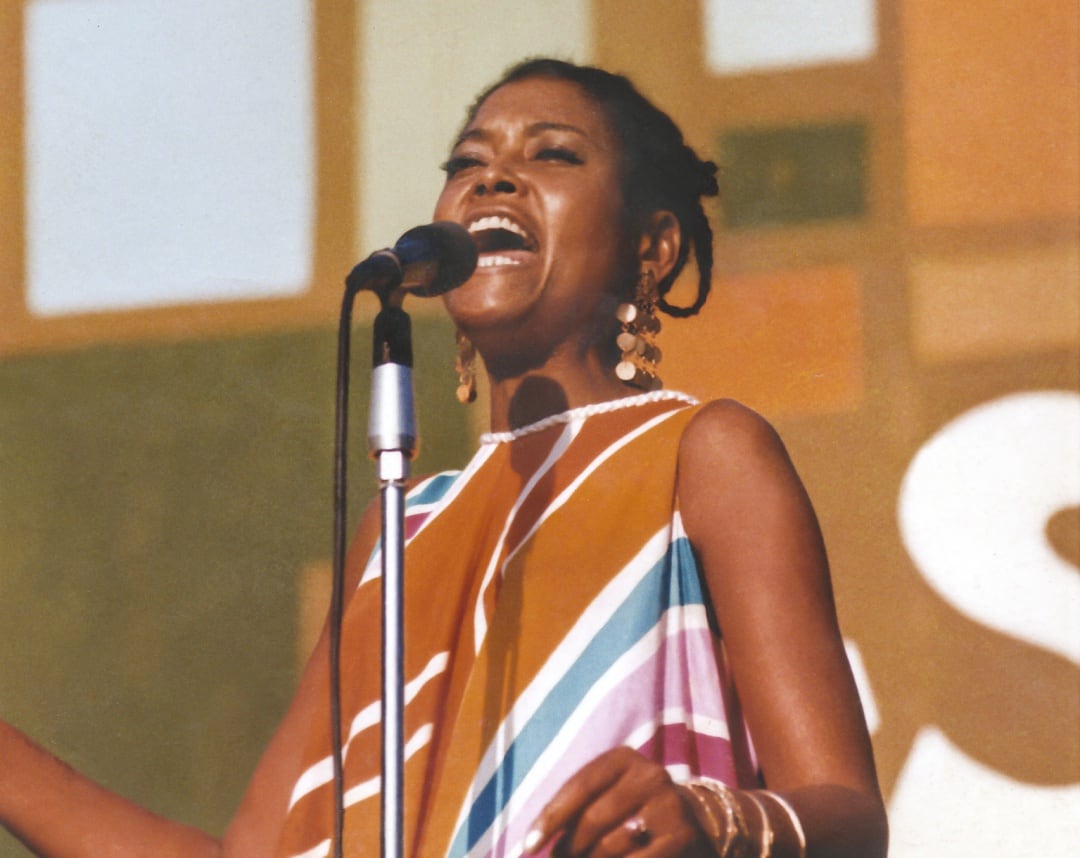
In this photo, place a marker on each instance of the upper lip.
(502, 220)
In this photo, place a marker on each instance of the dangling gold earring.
(465, 367)
(637, 340)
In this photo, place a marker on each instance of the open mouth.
(500, 241)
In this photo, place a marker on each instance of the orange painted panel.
(991, 110)
(1014, 302)
(783, 342)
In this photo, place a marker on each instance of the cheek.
(586, 211)
(442, 203)
(595, 241)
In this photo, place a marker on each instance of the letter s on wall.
(973, 509)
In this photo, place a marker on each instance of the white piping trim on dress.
(587, 411)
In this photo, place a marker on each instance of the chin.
(486, 303)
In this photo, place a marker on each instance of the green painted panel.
(156, 503)
(792, 175)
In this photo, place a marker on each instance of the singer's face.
(535, 179)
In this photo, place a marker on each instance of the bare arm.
(758, 542)
(56, 811)
(749, 518)
(60, 813)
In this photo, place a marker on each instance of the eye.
(458, 163)
(558, 153)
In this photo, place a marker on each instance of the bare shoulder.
(729, 436)
(737, 483)
(762, 556)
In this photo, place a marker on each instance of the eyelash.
(456, 164)
(549, 153)
(558, 153)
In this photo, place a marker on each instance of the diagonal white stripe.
(374, 565)
(567, 652)
(573, 428)
(322, 772)
(705, 725)
(479, 616)
(692, 617)
(456, 488)
(370, 787)
(602, 457)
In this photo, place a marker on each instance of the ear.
(659, 245)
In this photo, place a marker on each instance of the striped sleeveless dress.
(554, 610)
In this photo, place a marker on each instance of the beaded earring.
(637, 339)
(465, 367)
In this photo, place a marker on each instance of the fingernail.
(531, 841)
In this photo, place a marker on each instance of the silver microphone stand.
(426, 261)
(392, 442)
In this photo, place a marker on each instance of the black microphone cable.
(426, 261)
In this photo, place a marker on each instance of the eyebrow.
(531, 131)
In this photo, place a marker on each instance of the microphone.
(426, 261)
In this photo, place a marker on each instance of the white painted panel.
(947, 805)
(422, 62)
(758, 35)
(973, 510)
(170, 151)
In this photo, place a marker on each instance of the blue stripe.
(675, 572)
(433, 489)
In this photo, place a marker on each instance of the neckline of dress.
(584, 411)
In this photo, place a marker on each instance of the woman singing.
(620, 634)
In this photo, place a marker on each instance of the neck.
(527, 396)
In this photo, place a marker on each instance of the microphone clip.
(426, 261)
(381, 273)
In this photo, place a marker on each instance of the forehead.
(542, 102)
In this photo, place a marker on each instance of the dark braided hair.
(659, 171)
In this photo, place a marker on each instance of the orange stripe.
(450, 556)
(607, 544)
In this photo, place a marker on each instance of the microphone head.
(436, 258)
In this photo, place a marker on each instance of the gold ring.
(637, 829)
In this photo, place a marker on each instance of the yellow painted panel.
(992, 110)
(984, 306)
(414, 92)
(314, 583)
(784, 342)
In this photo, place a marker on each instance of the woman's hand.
(621, 803)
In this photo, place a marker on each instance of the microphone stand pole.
(392, 443)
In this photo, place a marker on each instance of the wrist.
(743, 823)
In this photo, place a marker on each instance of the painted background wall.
(164, 470)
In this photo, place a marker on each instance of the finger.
(655, 831)
(665, 846)
(636, 832)
(641, 783)
(577, 794)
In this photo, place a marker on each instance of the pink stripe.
(679, 745)
(413, 522)
(663, 680)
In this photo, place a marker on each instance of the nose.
(500, 186)
(496, 179)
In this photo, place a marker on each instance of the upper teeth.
(497, 222)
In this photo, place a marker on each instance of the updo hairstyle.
(658, 170)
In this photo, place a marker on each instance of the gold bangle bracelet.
(736, 841)
(766, 828)
(793, 818)
(703, 813)
(710, 793)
